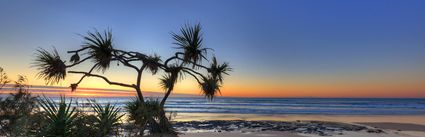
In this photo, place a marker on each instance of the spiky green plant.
(218, 70)
(190, 41)
(51, 68)
(100, 48)
(107, 118)
(141, 113)
(210, 87)
(60, 117)
(152, 63)
(167, 81)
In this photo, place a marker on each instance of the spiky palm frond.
(51, 68)
(217, 70)
(107, 117)
(210, 87)
(190, 41)
(139, 112)
(152, 63)
(175, 73)
(100, 48)
(60, 117)
(167, 81)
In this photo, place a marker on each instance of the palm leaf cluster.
(100, 48)
(60, 117)
(210, 87)
(168, 80)
(140, 113)
(51, 68)
(190, 41)
(152, 63)
(107, 118)
(218, 70)
(211, 84)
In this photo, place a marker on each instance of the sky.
(299, 48)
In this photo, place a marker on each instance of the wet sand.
(390, 125)
(236, 134)
(396, 126)
(412, 119)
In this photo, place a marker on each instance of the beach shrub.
(3, 78)
(107, 118)
(143, 113)
(84, 125)
(60, 117)
(16, 110)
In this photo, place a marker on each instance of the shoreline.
(297, 129)
(370, 125)
(412, 119)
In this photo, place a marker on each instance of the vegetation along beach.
(251, 68)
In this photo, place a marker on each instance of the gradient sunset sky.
(298, 48)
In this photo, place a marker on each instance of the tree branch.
(126, 63)
(190, 72)
(194, 76)
(76, 51)
(104, 78)
(81, 79)
(174, 57)
(68, 66)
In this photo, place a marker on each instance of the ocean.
(320, 106)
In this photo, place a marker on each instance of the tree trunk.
(142, 130)
(140, 95)
(166, 97)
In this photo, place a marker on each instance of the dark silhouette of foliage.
(190, 41)
(141, 113)
(84, 125)
(16, 109)
(217, 70)
(51, 68)
(60, 117)
(107, 118)
(99, 48)
(210, 87)
(3, 78)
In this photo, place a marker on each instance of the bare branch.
(171, 58)
(91, 70)
(76, 51)
(126, 63)
(104, 78)
(68, 66)
(192, 72)
(198, 65)
(194, 76)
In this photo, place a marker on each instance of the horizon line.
(9, 87)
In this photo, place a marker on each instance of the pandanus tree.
(100, 49)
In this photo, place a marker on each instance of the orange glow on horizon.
(242, 85)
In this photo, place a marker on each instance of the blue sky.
(273, 43)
